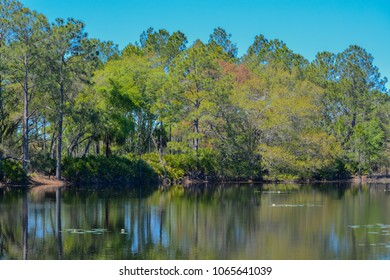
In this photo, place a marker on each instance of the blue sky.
(306, 26)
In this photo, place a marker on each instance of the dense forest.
(82, 109)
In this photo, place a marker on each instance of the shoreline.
(39, 181)
(46, 182)
(352, 180)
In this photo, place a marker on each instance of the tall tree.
(28, 29)
(273, 53)
(354, 91)
(162, 45)
(128, 90)
(220, 41)
(7, 102)
(194, 82)
(233, 125)
(85, 120)
(67, 65)
(282, 106)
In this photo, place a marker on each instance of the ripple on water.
(353, 226)
(87, 231)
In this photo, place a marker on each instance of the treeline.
(181, 109)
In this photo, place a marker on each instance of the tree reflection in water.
(197, 222)
(59, 228)
(25, 226)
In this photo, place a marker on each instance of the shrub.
(177, 166)
(43, 163)
(12, 172)
(113, 169)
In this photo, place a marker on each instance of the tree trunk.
(97, 148)
(1, 106)
(59, 148)
(86, 150)
(160, 140)
(37, 130)
(108, 150)
(25, 116)
(44, 135)
(196, 141)
(196, 126)
(360, 167)
(52, 150)
(59, 138)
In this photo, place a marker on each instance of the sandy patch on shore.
(41, 181)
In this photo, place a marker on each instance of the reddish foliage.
(240, 73)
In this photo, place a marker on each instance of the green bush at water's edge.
(93, 169)
(121, 169)
(44, 164)
(12, 172)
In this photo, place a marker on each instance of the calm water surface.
(204, 222)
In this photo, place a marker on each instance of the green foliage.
(44, 164)
(368, 145)
(315, 156)
(208, 163)
(178, 166)
(182, 164)
(12, 172)
(221, 44)
(113, 169)
(353, 106)
(127, 90)
(170, 167)
(162, 108)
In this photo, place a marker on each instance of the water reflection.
(198, 222)
(58, 218)
(25, 227)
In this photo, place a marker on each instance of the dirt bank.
(39, 180)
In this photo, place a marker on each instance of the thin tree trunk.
(37, 130)
(196, 126)
(360, 168)
(59, 148)
(1, 106)
(73, 145)
(53, 146)
(44, 135)
(97, 148)
(86, 150)
(160, 140)
(25, 117)
(196, 143)
(108, 150)
(160, 156)
(59, 139)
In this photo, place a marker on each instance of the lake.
(225, 221)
